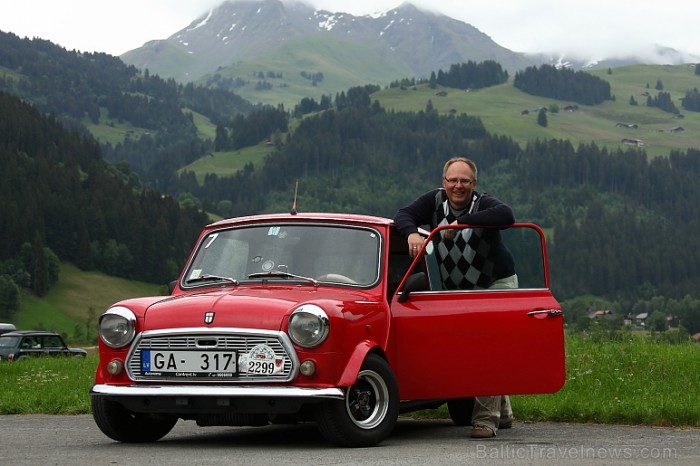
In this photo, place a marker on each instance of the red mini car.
(323, 318)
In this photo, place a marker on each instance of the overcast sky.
(591, 29)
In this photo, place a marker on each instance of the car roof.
(21, 333)
(355, 219)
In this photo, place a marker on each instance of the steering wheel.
(336, 277)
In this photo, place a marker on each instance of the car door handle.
(549, 312)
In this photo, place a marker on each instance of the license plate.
(188, 363)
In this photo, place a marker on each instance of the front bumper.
(216, 391)
(191, 401)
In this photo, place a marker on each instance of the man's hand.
(450, 234)
(415, 243)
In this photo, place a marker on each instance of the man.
(473, 258)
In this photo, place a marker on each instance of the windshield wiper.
(209, 277)
(280, 274)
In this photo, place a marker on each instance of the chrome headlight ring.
(117, 327)
(308, 326)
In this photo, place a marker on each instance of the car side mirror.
(171, 286)
(416, 282)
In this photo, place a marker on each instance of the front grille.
(242, 341)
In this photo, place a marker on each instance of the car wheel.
(122, 425)
(369, 411)
(460, 410)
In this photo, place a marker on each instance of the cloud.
(592, 29)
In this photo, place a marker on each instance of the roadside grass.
(635, 381)
(47, 385)
(632, 380)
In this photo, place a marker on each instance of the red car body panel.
(438, 344)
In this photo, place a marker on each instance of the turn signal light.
(115, 367)
(308, 368)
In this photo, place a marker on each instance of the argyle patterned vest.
(465, 261)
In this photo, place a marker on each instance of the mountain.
(623, 219)
(655, 55)
(240, 37)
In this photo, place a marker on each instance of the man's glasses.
(463, 181)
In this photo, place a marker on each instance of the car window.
(333, 253)
(52, 341)
(8, 342)
(30, 343)
(519, 247)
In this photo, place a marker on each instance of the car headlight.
(308, 326)
(117, 327)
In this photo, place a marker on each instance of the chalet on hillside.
(600, 313)
(641, 319)
(633, 142)
(627, 125)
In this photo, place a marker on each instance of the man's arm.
(418, 213)
(492, 212)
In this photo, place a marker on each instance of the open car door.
(451, 343)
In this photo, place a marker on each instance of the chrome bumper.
(216, 390)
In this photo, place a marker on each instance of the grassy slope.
(227, 163)
(500, 109)
(77, 295)
(343, 66)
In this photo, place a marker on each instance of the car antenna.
(294, 203)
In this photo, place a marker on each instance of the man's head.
(459, 180)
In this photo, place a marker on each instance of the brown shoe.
(505, 423)
(479, 431)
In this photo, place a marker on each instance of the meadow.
(631, 380)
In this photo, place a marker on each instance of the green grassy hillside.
(501, 109)
(76, 301)
(229, 162)
(343, 66)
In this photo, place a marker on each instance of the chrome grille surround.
(227, 338)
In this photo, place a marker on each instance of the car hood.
(261, 308)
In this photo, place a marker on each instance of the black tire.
(122, 425)
(369, 411)
(460, 410)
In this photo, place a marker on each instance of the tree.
(657, 322)
(433, 80)
(542, 117)
(40, 268)
(10, 296)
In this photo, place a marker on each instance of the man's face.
(459, 183)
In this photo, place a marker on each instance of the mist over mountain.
(407, 39)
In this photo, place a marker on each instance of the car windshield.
(8, 342)
(309, 253)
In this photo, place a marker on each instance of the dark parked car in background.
(32, 343)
